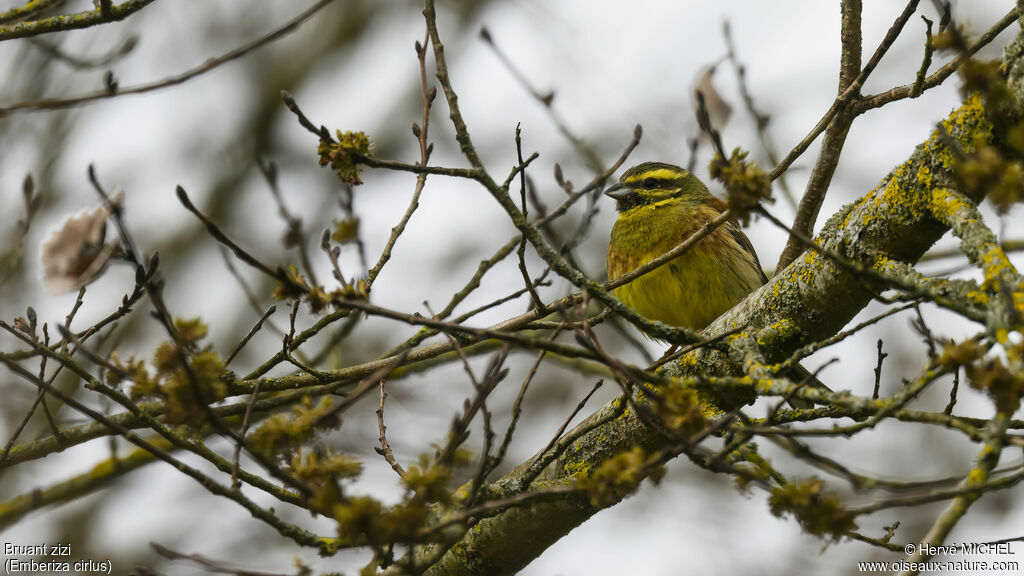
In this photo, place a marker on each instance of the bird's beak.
(617, 191)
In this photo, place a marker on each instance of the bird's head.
(653, 182)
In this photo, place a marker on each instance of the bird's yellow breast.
(694, 288)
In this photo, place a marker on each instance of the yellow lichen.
(979, 297)
(576, 468)
(975, 477)
(709, 410)
(779, 331)
(945, 204)
(995, 264)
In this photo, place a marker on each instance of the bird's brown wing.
(798, 373)
(801, 375)
(733, 228)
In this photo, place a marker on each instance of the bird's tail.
(802, 376)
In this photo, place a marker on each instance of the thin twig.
(878, 371)
(575, 411)
(385, 448)
(241, 434)
(252, 332)
(211, 64)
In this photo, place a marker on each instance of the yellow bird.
(660, 206)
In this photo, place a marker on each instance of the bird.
(659, 206)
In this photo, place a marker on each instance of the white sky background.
(612, 65)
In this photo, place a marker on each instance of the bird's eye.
(650, 183)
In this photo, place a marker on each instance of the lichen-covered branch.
(64, 22)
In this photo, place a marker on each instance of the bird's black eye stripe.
(650, 183)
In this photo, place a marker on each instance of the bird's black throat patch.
(630, 201)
